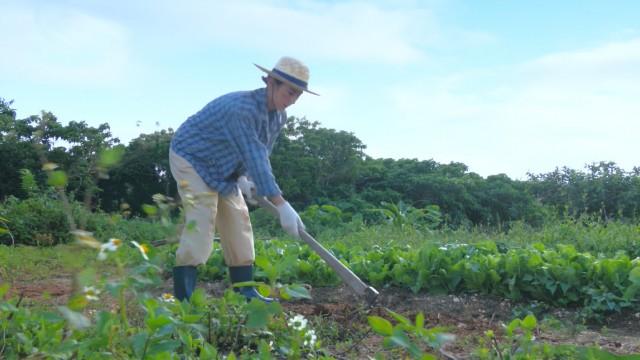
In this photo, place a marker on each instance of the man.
(218, 155)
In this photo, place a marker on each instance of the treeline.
(314, 165)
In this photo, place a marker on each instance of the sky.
(512, 87)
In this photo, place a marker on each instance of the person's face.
(283, 96)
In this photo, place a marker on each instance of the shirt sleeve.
(254, 154)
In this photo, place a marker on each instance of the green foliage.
(410, 336)
(558, 275)
(314, 166)
(519, 343)
(5, 231)
(38, 220)
(586, 234)
(314, 163)
(28, 183)
(139, 171)
(604, 190)
(41, 220)
(203, 327)
(401, 215)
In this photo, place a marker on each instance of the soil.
(344, 317)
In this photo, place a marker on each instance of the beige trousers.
(205, 211)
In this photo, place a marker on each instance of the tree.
(143, 172)
(311, 162)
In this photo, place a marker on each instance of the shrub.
(38, 220)
(41, 220)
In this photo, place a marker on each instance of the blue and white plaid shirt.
(231, 136)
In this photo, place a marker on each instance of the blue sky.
(501, 86)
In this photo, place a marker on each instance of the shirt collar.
(261, 96)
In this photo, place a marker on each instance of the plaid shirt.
(231, 136)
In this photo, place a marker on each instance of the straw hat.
(291, 71)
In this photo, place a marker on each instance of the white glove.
(248, 189)
(290, 220)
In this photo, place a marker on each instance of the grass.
(36, 263)
(27, 263)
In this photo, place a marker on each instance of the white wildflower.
(91, 293)
(166, 297)
(111, 245)
(298, 322)
(310, 338)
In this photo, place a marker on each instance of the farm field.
(472, 298)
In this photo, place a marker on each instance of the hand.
(290, 220)
(248, 189)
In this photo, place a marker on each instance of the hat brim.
(271, 73)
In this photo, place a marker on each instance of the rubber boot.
(184, 281)
(245, 273)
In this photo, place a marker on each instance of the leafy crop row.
(560, 277)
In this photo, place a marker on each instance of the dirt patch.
(54, 291)
(466, 316)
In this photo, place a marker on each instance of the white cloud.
(61, 46)
(563, 109)
(612, 67)
(353, 31)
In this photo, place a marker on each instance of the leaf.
(264, 289)
(137, 342)
(399, 338)
(529, 322)
(164, 346)
(149, 209)
(198, 298)
(258, 315)
(4, 288)
(420, 320)
(262, 262)
(102, 321)
(110, 157)
(158, 322)
(191, 318)
(297, 292)
(634, 275)
(512, 326)
(380, 325)
(631, 291)
(400, 318)
(260, 312)
(57, 179)
(75, 319)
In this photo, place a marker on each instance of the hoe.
(352, 280)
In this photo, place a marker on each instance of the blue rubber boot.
(184, 281)
(245, 273)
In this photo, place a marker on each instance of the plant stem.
(146, 344)
(123, 309)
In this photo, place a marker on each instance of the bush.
(41, 220)
(38, 220)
